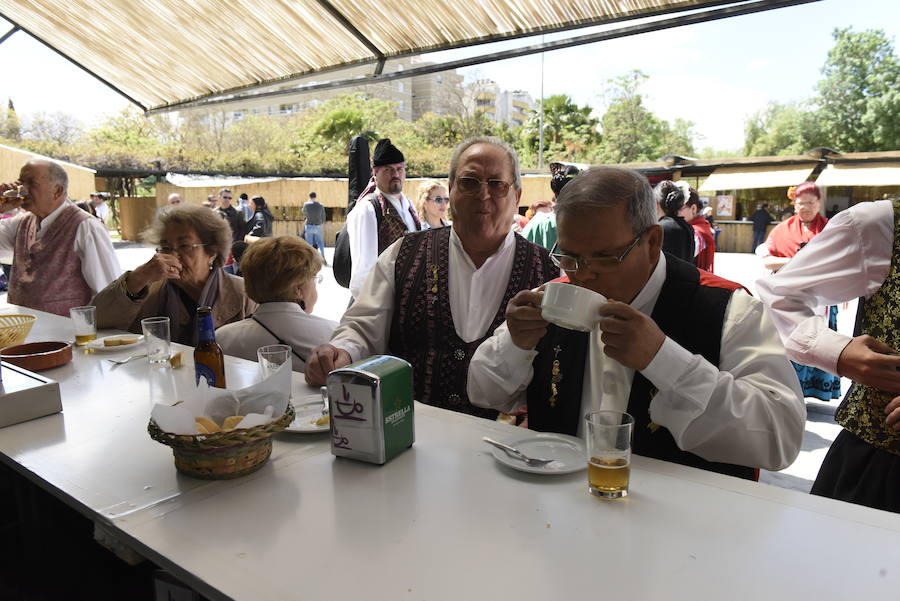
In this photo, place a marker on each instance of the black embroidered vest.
(862, 410)
(422, 329)
(687, 312)
(391, 225)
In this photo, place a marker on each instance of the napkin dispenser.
(371, 408)
(25, 395)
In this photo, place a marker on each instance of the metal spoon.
(514, 452)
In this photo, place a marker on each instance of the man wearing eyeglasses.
(382, 216)
(234, 218)
(692, 357)
(61, 257)
(433, 296)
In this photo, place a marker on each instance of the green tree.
(858, 96)
(9, 124)
(570, 131)
(781, 129)
(631, 132)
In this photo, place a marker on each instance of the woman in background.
(432, 202)
(260, 224)
(280, 274)
(704, 238)
(678, 236)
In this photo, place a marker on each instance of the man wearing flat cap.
(381, 217)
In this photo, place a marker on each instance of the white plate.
(567, 452)
(98, 345)
(307, 409)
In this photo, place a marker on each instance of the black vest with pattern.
(862, 410)
(422, 328)
(686, 311)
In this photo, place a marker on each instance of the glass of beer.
(156, 337)
(85, 321)
(608, 437)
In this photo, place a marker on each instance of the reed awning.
(162, 54)
(872, 174)
(745, 178)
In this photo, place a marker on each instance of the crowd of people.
(447, 282)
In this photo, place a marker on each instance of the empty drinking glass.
(156, 337)
(272, 357)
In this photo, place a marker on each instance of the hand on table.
(322, 360)
(629, 336)
(870, 362)
(159, 267)
(523, 318)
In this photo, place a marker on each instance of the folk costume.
(706, 250)
(857, 255)
(378, 220)
(719, 394)
(678, 238)
(786, 240)
(427, 302)
(59, 262)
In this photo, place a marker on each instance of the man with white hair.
(174, 199)
(434, 295)
(61, 257)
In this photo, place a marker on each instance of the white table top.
(443, 520)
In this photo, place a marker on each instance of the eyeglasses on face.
(440, 199)
(318, 279)
(573, 263)
(182, 249)
(497, 188)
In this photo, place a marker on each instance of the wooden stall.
(81, 179)
(135, 214)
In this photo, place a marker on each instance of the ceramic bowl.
(37, 356)
(571, 306)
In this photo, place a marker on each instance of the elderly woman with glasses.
(432, 202)
(281, 275)
(185, 273)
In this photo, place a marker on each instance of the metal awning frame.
(737, 8)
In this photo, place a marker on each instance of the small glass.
(85, 321)
(608, 437)
(156, 337)
(272, 357)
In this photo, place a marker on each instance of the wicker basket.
(14, 329)
(223, 455)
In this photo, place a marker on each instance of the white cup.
(571, 306)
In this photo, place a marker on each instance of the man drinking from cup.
(61, 257)
(691, 356)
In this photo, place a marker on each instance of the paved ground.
(744, 268)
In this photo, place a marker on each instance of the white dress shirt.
(302, 331)
(362, 228)
(850, 258)
(475, 295)
(748, 411)
(99, 264)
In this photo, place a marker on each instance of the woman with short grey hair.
(185, 273)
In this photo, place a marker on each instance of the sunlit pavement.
(743, 268)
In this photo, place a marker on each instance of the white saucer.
(567, 452)
(307, 410)
(97, 344)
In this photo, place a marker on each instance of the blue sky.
(714, 74)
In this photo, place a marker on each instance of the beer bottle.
(209, 361)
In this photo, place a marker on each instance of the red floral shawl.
(707, 256)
